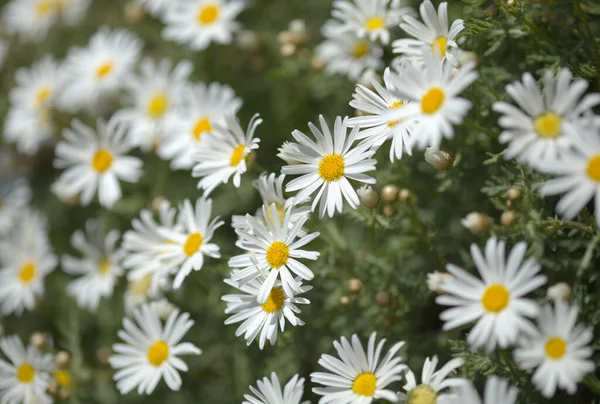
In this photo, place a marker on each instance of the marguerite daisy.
(561, 350)
(328, 164)
(157, 7)
(496, 300)
(432, 382)
(14, 197)
(358, 377)
(31, 19)
(268, 391)
(223, 153)
(497, 391)
(537, 131)
(151, 351)
(95, 161)
(72, 12)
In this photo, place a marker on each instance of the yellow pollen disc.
(158, 353)
(27, 272)
(42, 95)
(275, 301)
(43, 8)
(360, 49)
(556, 348)
(208, 14)
(593, 168)
(192, 244)
(364, 384)
(422, 394)
(25, 373)
(432, 100)
(203, 125)
(439, 46)
(547, 125)
(157, 106)
(237, 155)
(63, 377)
(331, 167)
(374, 23)
(102, 160)
(495, 298)
(104, 70)
(104, 266)
(277, 254)
(141, 286)
(395, 104)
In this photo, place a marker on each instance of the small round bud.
(297, 26)
(389, 193)
(344, 300)
(62, 359)
(247, 40)
(355, 285)
(285, 37)
(436, 279)
(511, 3)
(513, 194)
(288, 49)
(382, 298)
(102, 354)
(38, 339)
(477, 222)
(559, 292)
(368, 197)
(134, 12)
(389, 210)
(403, 195)
(438, 159)
(508, 218)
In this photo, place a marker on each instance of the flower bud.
(297, 26)
(389, 210)
(382, 298)
(285, 149)
(438, 159)
(477, 222)
(508, 218)
(368, 197)
(513, 194)
(389, 193)
(559, 292)
(344, 300)
(288, 49)
(355, 285)
(436, 279)
(38, 339)
(62, 359)
(404, 195)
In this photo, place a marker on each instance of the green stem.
(587, 257)
(509, 363)
(583, 17)
(591, 381)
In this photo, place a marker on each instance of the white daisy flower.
(99, 70)
(30, 231)
(190, 242)
(265, 318)
(561, 350)
(434, 91)
(29, 128)
(436, 279)
(285, 149)
(14, 197)
(72, 12)
(95, 161)
(203, 107)
(434, 34)
(496, 301)
(375, 127)
(223, 153)
(153, 95)
(537, 131)
(358, 377)
(268, 391)
(151, 351)
(157, 7)
(99, 267)
(31, 19)
(25, 377)
(328, 164)
(273, 251)
(497, 391)
(432, 382)
(197, 23)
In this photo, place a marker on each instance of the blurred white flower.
(72, 12)
(433, 382)
(158, 8)
(497, 391)
(269, 391)
(14, 198)
(31, 19)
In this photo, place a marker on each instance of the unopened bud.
(513, 194)
(344, 300)
(389, 210)
(355, 285)
(382, 298)
(62, 359)
(511, 3)
(297, 26)
(288, 49)
(559, 292)
(477, 222)
(38, 339)
(436, 279)
(134, 12)
(368, 197)
(404, 195)
(508, 218)
(438, 159)
(285, 149)
(389, 193)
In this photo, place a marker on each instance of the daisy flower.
(358, 377)
(496, 300)
(190, 242)
(268, 391)
(151, 351)
(31, 19)
(156, 7)
(374, 125)
(72, 12)
(153, 95)
(203, 107)
(25, 377)
(434, 34)
(99, 70)
(434, 91)
(265, 318)
(99, 268)
(561, 350)
(197, 23)
(328, 164)
(537, 131)
(272, 250)
(223, 153)
(14, 197)
(96, 161)
(497, 391)
(432, 382)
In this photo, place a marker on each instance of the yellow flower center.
(43, 8)
(432, 100)
(275, 301)
(593, 168)
(25, 373)
(42, 95)
(556, 348)
(360, 49)
(547, 125)
(237, 155)
(63, 377)
(158, 353)
(374, 23)
(277, 254)
(422, 394)
(141, 286)
(192, 244)
(203, 125)
(27, 273)
(102, 160)
(395, 104)
(331, 167)
(439, 46)
(364, 384)
(495, 298)
(104, 70)
(208, 14)
(104, 266)
(157, 106)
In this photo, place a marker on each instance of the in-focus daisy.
(263, 320)
(223, 153)
(561, 350)
(434, 91)
(268, 391)
(153, 95)
(374, 125)
(497, 391)
(100, 69)
(72, 12)
(496, 301)
(434, 34)
(358, 377)
(151, 351)
(98, 268)
(537, 131)
(203, 107)
(14, 197)
(31, 19)
(25, 377)
(190, 242)
(95, 161)
(273, 250)
(328, 164)
(432, 382)
(156, 7)
(197, 23)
